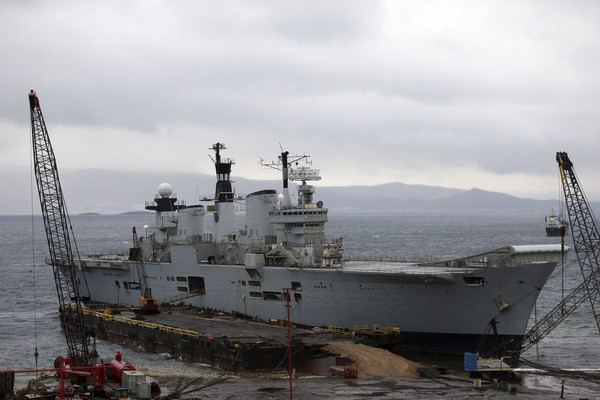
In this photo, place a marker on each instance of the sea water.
(29, 318)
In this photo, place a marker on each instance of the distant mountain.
(400, 198)
(113, 192)
(389, 197)
(137, 213)
(477, 199)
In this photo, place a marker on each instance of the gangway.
(182, 296)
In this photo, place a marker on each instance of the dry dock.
(226, 341)
(239, 345)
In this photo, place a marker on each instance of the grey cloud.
(494, 86)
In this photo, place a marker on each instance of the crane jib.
(59, 235)
(585, 234)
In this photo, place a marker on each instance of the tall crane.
(586, 240)
(148, 304)
(59, 236)
(586, 236)
(584, 231)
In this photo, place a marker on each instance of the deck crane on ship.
(148, 303)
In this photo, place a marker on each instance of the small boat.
(554, 224)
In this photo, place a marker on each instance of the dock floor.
(214, 338)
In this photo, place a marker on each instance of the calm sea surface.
(29, 312)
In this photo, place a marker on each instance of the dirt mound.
(373, 361)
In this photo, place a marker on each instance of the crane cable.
(36, 353)
(561, 196)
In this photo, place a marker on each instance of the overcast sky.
(460, 94)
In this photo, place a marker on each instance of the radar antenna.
(284, 164)
(304, 174)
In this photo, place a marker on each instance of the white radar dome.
(280, 197)
(165, 190)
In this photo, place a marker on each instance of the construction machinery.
(586, 241)
(584, 230)
(495, 367)
(586, 236)
(61, 241)
(148, 304)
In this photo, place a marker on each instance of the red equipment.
(117, 367)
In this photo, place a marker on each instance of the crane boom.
(555, 316)
(58, 234)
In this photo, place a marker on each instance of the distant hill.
(380, 199)
(477, 199)
(137, 213)
(112, 192)
(390, 197)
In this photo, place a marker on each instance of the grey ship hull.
(437, 309)
(443, 307)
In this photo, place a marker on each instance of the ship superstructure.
(443, 307)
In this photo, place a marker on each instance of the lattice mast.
(58, 234)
